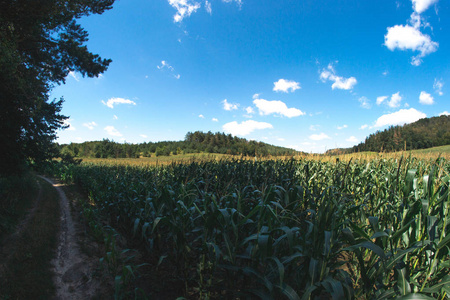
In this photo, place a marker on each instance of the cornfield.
(291, 229)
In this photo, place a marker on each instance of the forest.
(422, 134)
(194, 142)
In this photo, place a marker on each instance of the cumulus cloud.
(338, 82)
(67, 123)
(444, 113)
(249, 110)
(395, 100)
(112, 131)
(255, 96)
(90, 125)
(352, 139)
(406, 37)
(420, 6)
(115, 117)
(403, 116)
(143, 136)
(215, 120)
(229, 106)
(381, 99)
(284, 85)
(437, 86)
(201, 116)
(365, 102)
(114, 101)
(342, 127)
(245, 127)
(266, 107)
(184, 8)
(319, 137)
(426, 98)
(364, 126)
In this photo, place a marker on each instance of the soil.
(75, 271)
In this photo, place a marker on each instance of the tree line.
(422, 134)
(194, 142)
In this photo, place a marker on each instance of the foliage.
(286, 229)
(194, 143)
(425, 133)
(40, 43)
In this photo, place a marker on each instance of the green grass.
(27, 271)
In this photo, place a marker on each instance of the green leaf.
(368, 245)
(402, 281)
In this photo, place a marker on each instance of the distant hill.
(422, 134)
(194, 142)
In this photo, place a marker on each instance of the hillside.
(194, 142)
(422, 134)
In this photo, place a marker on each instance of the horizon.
(306, 76)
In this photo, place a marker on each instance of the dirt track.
(73, 270)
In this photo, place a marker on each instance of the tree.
(40, 43)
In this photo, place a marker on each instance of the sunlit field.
(424, 154)
(363, 226)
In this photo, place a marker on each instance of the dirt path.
(73, 269)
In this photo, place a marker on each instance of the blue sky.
(309, 75)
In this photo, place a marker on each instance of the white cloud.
(67, 122)
(338, 82)
(403, 116)
(143, 136)
(255, 96)
(245, 127)
(342, 127)
(352, 139)
(184, 9)
(395, 100)
(426, 98)
(319, 137)
(112, 131)
(164, 64)
(114, 101)
(364, 126)
(420, 6)
(381, 99)
(201, 116)
(229, 106)
(406, 37)
(115, 117)
(250, 110)
(215, 120)
(444, 113)
(208, 7)
(365, 102)
(284, 85)
(238, 2)
(266, 107)
(74, 75)
(437, 86)
(90, 125)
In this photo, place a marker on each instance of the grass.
(27, 271)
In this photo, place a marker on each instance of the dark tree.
(40, 43)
